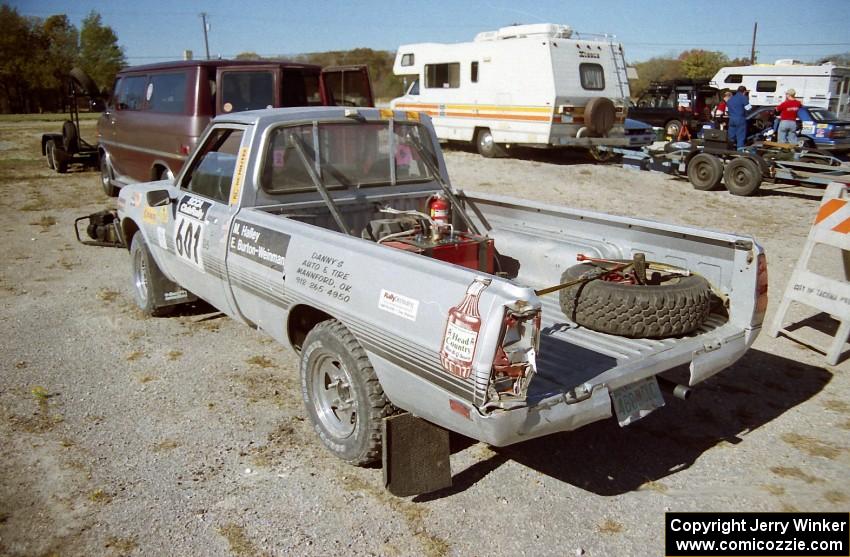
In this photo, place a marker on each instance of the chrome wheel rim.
(333, 396)
(140, 277)
(104, 175)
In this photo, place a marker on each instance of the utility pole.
(753, 49)
(206, 28)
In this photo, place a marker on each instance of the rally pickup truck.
(337, 231)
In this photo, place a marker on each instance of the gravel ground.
(124, 435)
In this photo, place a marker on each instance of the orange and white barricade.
(829, 295)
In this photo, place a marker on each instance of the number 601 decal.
(188, 235)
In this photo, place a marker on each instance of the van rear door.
(347, 86)
(247, 88)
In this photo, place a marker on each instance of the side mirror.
(158, 198)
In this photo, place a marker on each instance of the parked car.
(665, 104)
(157, 112)
(816, 127)
(336, 231)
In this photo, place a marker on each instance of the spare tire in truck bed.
(674, 307)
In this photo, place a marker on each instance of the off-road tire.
(486, 146)
(673, 308)
(705, 172)
(49, 145)
(331, 349)
(106, 177)
(143, 272)
(742, 176)
(70, 139)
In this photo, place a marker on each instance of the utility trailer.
(64, 149)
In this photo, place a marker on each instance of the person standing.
(721, 116)
(737, 108)
(788, 117)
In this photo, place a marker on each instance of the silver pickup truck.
(337, 232)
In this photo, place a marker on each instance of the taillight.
(761, 291)
(515, 360)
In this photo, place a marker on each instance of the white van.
(825, 85)
(533, 85)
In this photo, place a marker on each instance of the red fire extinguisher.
(439, 209)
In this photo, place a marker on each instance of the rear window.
(167, 93)
(442, 76)
(246, 91)
(347, 88)
(765, 86)
(592, 76)
(131, 93)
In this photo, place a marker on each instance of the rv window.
(246, 91)
(414, 88)
(765, 86)
(734, 78)
(474, 76)
(168, 93)
(131, 95)
(407, 59)
(442, 76)
(592, 76)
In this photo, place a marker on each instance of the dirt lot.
(186, 436)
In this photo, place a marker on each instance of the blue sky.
(158, 30)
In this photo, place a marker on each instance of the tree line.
(36, 55)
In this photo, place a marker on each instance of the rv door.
(247, 88)
(347, 86)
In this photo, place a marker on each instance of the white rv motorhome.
(825, 85)
(536, 85)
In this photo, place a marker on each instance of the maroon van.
(157, 112)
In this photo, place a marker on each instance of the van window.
(131, 93)
(246, 91)
(474, 73)
(407, 59)
(347, 88)
(592, 76)
(765, 86)
(311, 90)
(734, 78)
(168, 93)
(212, 172)
(442, 76)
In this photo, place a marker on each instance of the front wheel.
(486, 146)
(106, 177)
(143, 275)
(342, 394)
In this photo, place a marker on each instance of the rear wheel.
(742, 176)
(705, 172)
(70, 137)
(342, 394)
(106, 177)
(143, 276)
(48, 153)
(60, 159)
(486, 146)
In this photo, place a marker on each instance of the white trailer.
(538, 85)
(825, 85)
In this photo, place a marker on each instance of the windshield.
(349, 154)
(821, 115)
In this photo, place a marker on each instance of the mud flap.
(415, 456)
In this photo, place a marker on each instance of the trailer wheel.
(70, 140)
(705, 172)
(144, 272)
(601, 155)
(486, 146)
(342, 394)
(742, 176)
(48, 153)
(674, 307)
(106, 177)
(672, 129)
(60, 159)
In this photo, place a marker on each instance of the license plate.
(637, 400)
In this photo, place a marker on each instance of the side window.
(592, 76)
(131, 95)
(734, 78)
(765, 86)
(414, 88)
(167, 93)
(442, 76)
(407, 59)
(212, 170)
(347, 88)
(116, 92)
(246, 91)
(311, 90)
(473, 77)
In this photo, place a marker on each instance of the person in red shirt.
(720, 114)
(788, 117)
